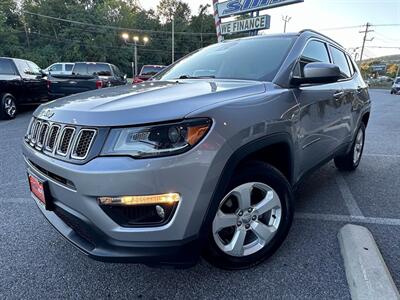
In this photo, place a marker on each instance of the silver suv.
(204, 158)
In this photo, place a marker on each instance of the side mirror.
(43, 73)
(318, 73)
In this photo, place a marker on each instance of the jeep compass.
(203, 160)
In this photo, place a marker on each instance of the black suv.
(21, 82)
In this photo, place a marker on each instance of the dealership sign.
(257, 23)
(237, 7)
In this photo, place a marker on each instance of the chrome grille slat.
(52, 137)
(57, 139)
(42, 134)
(83, 143)
(64, 143)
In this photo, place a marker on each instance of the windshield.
(248, 59)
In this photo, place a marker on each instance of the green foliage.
(45, 40)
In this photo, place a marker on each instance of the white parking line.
(348, 198)
(383, 155)
(347, 219)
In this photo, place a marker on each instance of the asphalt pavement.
(36, 262)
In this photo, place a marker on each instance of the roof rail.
(316, 32)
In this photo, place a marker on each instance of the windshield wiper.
(195, 77)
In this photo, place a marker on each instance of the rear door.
(320, 111)
(10, 81)
(351, 89)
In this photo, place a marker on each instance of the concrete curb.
(367, 274)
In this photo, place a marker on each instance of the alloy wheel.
(358, 146)
(9, 107)
(247, 219)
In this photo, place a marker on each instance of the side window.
(24, 69)
(6, 67)
(339, 59)
(315, 51)
(35, 70)
(56, 68)
(69, 67)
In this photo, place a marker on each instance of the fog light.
(170, 198)
(160, 211)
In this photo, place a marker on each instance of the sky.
(322, 15)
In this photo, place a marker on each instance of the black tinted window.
(151, 70)
(6, 67)
(99, 69)
(339, 59)
(252, 59)
(92, 69)
(316, 52)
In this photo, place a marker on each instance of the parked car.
(396, 86)
(85, 77)
(203, 159)
(21, 82)
(147, 72)
(60, 69)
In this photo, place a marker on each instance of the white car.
(396, 86)
(60, 69)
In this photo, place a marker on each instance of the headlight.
(157, 140)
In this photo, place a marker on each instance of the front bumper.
(79, 218)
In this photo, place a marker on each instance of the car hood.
(147, 102)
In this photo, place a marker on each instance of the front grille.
(61, 140)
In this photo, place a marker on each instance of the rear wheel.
(8, 107)
(351, 160)
(253, 218)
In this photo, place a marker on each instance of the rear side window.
(6, 67)
(69, 67)
(150, 70)
(339, 59)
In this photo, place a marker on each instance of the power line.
(115, 27)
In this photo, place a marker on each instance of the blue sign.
(237, 7)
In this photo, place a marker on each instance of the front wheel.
(8, 107)
(351, 160)
(252, 220)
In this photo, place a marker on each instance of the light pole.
(134, 43)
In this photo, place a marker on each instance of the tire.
(8, 107)
(263, 181)
(349, 162)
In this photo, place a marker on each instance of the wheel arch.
(255, 150)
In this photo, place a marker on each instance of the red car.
(147, 72)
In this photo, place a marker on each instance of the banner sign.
(257, 23)
(237, 7)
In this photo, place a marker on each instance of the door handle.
(338, 95)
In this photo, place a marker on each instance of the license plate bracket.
(40, 190)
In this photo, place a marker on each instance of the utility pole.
(366, 31)
(173, 39)
(285, 19)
